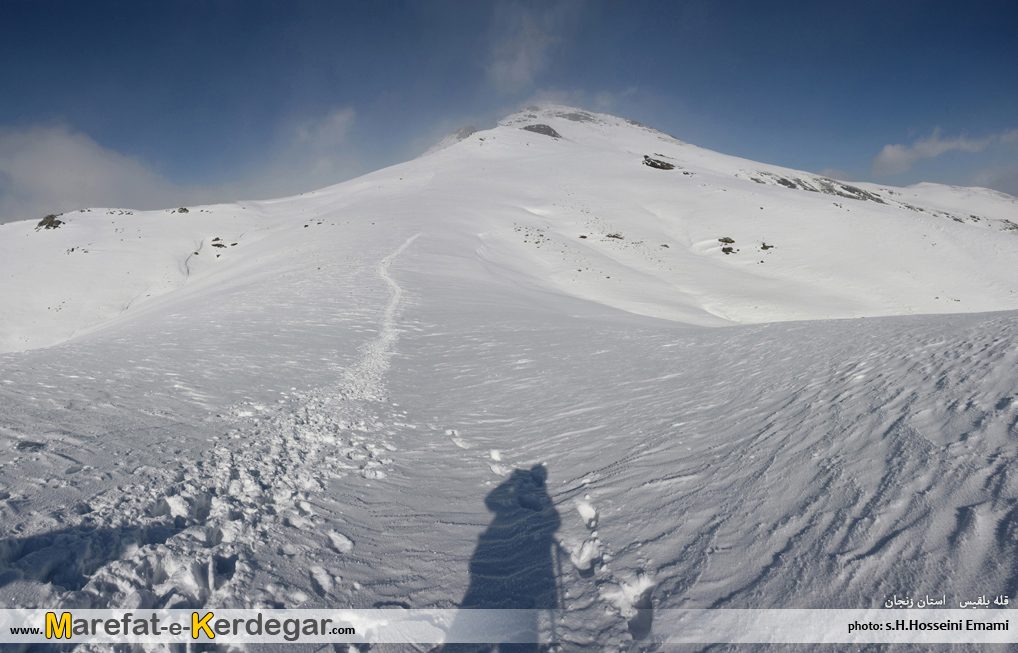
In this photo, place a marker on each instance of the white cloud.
(312, 154)
(330, 131)
(1010, 138)
(523, 39)
(896, 159)
(54, 169)
(521, 53)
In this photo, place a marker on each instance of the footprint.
(321, 580)
(632, 598)
(588, 513)
(584, 556)
(457, 440)
(340, 542)
(499, 469)
(640, 624)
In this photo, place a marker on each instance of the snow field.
(190, 540)
(323, 415)
(798, 465)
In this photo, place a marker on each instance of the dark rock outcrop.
(657, 163)
(49, 222)
(545, 130)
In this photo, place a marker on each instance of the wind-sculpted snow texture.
(189, 538)
(371, 396)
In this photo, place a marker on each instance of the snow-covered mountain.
(564, 203)
(325, 400)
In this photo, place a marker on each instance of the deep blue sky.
(144, 102)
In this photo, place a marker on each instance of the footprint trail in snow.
(193, 543)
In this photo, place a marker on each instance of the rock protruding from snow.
(544, 130)
(49, 222)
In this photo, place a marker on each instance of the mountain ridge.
(606, 211)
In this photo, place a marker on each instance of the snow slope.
(330, 411)
(578, 216)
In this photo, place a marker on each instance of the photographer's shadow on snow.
(514, 565)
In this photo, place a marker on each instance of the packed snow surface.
(486, 378)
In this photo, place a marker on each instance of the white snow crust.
(305, 402)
